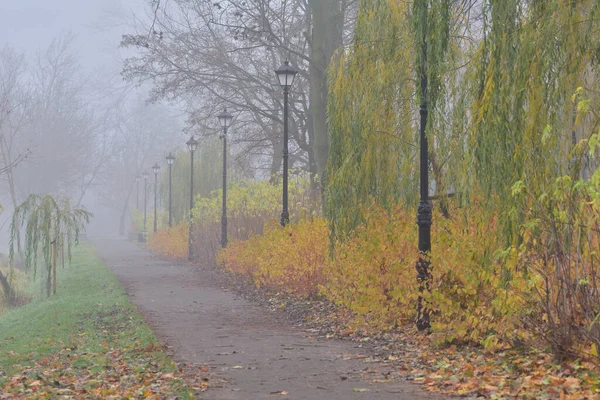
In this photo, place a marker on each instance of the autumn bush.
(171, 242)
(373, 274)
(250, 204)
(558, 253)
(289, 259)
(481, 291)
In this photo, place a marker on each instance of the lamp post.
(137, 192)
(192, 145)
(156, 168)
(170, 161)
(145, 176)
(424, 217)
(225, 120)
(285, 74)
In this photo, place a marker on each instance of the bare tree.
(215, 54)
(15, 103)
(144, 134)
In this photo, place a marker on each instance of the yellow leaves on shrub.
(472, 295)
(290, 259)
(171, 242)
(373, 272)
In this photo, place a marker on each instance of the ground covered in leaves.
(464, 370)
(88, 341)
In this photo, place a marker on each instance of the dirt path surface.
(255, 353)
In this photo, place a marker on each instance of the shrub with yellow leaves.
(171, 242)
(289, 259)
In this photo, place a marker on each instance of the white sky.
(30, 25)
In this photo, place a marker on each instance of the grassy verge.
(89, 340)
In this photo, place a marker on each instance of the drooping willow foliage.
(513, 95)
(46, 220)
(534, 80)
(373, 107)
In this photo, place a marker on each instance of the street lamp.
(156, 168)
(137, 191)
(170, 161)
(145, 176)
(285, 74)
(424, 217)
(192, 145)
(225, 120)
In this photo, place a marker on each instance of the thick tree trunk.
(327, 20)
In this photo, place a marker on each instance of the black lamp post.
(424, 217)
(145, 176)
(285, 74)
(225, 120)
(170, 161)
(137, 191)
(156, 168)
(192, 145)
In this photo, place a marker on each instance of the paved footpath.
(254, 352)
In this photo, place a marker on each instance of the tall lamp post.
(285, 74)
(192, 145)
(170, 161)
(225, 120)
(156, 168)
(145, 176)
(137, 192)
(424, 218)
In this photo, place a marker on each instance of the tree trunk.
(124, 211)
(327, 29)
(54, 250)
(122, 219)
(49, 280)
(8, 293)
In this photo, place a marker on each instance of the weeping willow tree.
(513, 94)
(373, 108)
(534, 79)
(48, 223)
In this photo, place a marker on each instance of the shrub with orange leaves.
(290, 259)
(171, 242)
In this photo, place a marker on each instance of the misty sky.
(30, 25)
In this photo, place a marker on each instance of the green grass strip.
(87, 340)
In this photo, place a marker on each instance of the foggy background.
(116, 116)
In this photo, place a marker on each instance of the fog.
(94, 93)
(70, 124)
